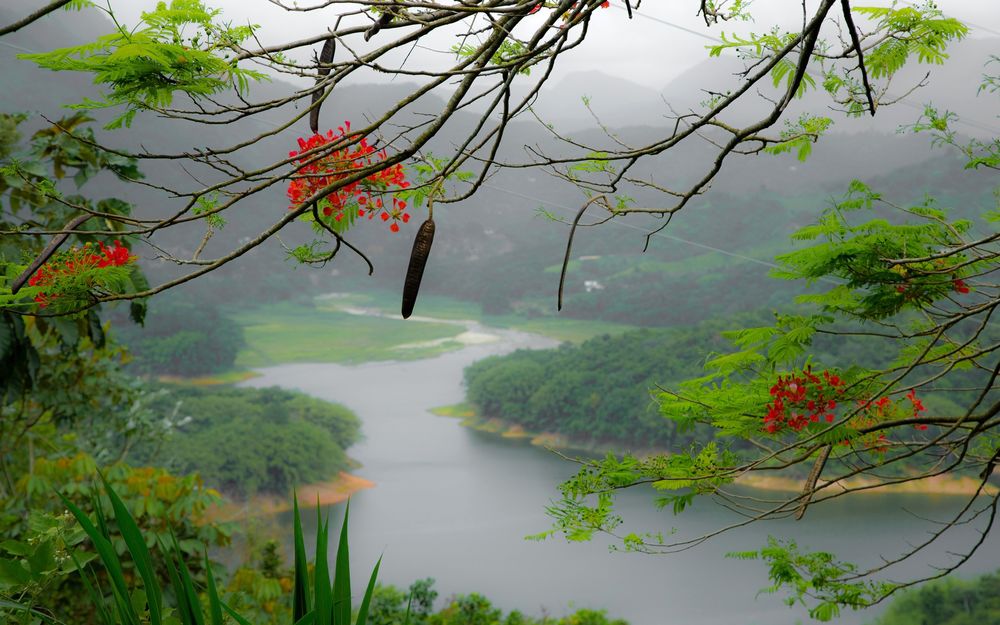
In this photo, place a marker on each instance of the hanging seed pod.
(418, 259)
(325, 58)
(383, 20)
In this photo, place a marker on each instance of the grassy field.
(229, 377)
(439, 307)
(388, 302)
(282, 333)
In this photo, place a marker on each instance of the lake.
(455, 504)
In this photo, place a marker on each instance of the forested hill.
(494, 249)
(596, 393)
(246, 441)
(948, 602)
(600, 394)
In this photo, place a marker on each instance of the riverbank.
(318, 495)
(937, 485)
(230, 377)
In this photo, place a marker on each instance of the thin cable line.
(16, 47)
(658, 20)
(623, 224)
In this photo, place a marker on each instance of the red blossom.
(74, 262)
(320, 165)
(801, 399)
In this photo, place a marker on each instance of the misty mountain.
(494, 247)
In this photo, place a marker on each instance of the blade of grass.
(322, 594)
(300, 600)
(140, 553)
(342, 576)
(308, 619)
(102, 522)
(409, 606)
(234, 615)
(109, 557)
(367, 599)
(187, 587)
(214, 605)
(183, 609)
(93, 590)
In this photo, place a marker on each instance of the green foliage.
(177, 48)
(44, 548)
(923, 280)
(597, 392)
(179, 598)
(800, 136)
(859, 257)
(921, 32)
(35, 195)
(510, 53)
(947, 602)
(979, 153)
(815, 578)
(81, 401)
(274, 439)
(392, 606)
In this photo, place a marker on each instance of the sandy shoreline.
(938, 485)
(310, 496)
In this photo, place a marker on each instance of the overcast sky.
(644, 50)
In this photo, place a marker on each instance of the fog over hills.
(618, 102)
(497, 235)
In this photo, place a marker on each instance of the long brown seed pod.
(418, 259)
(569, 248)
(47, 253)
(810, 486)
(325, 58)
(383, 20)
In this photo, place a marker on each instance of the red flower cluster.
(918, 407)
(319, 170)
(880, 409)
(957, 284)
(76, 261)
(802, 399)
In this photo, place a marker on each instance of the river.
(455, 504)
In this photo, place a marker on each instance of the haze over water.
(455, 504)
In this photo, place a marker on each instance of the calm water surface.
(455, 504)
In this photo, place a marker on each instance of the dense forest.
(275, 439)
(597, 392)
(948, 602)
(602, 393)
